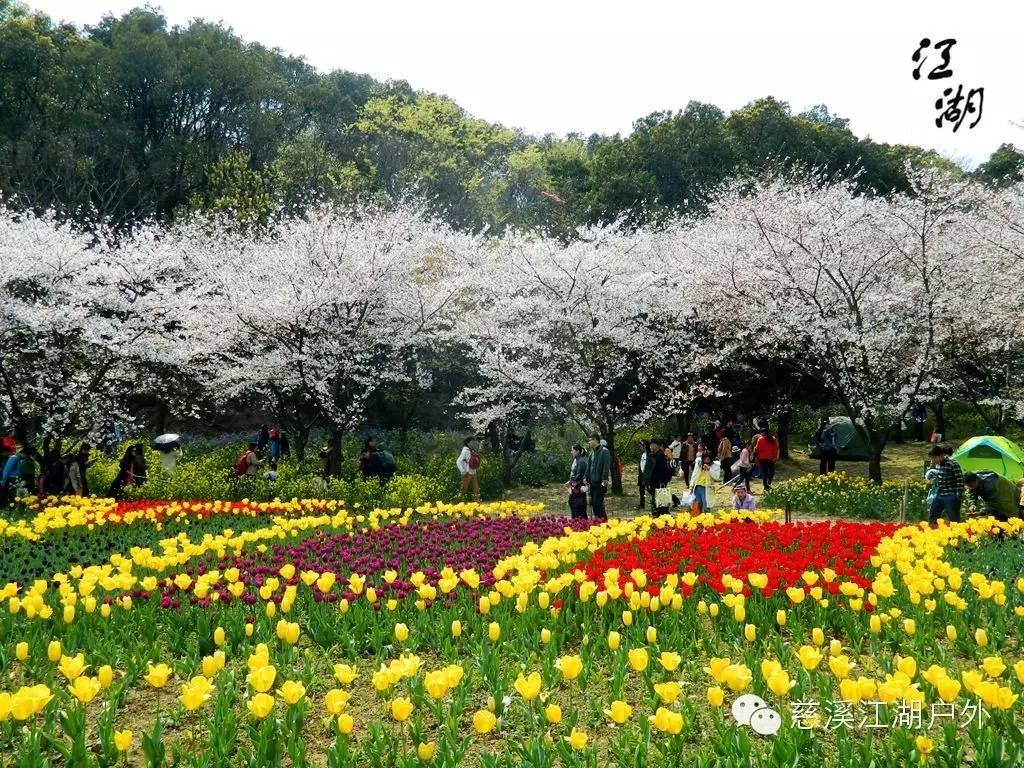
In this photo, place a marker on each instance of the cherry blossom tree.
(982, 356)
(79, 325)
(317, 315)
(583, 328)
(858, 292)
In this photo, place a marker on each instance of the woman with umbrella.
(169, 449)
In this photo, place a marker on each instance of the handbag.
(662, 498)
(687, 499)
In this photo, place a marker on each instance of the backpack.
(242, 465)
(474, 460)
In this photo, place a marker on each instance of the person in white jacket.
(467, 464)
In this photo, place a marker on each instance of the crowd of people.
(719, 457)
(25, 471)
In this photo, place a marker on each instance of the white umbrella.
(167, 442)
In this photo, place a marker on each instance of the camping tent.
(991, 453)
(852, 445)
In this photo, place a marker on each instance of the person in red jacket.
(766, 453)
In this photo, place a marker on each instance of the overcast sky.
(565, 66)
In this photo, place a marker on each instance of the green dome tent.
(991, 453)
(852, 445)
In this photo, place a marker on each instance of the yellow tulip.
(484, 721)
(261, 705)
(54, 651)
(577, 739)
(72, 666)
(840, 666)
(809, 657)
(288, 631)
(737, 677)
(951, 633)
(907, 665)
(948, 689)
(994, 666)
(818, 636)
(981, 637)
(614, 639)
(668, 692)
(667, 721)
(123, 740)
(401, 709)
(528, 686)
(195, 692)
(545, 635)
(218, 636)
(262, 678)
(779, 682)
(335, 701)
(85, 688)
(638, 659)
(553, 714)
(157, 675)
(750, 633)
(425, 750)
(494, 631)
(345, 673)
(291, 692)
(618, 711)
(21, 651)
(456, 628)
(105, 675)
(716, 696)
(652, 635)
(925, 746)
(670, 660)
(346, 723)
(570, 667)
(401, 633)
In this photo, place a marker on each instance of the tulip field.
(307, 633)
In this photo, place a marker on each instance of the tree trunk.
(493, 437)
(299, 443)
(616, 474)
(508, 459)
(875, 465)
(938, 408)
(784, 419)
(683, 423)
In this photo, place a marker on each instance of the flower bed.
(74, 532)
(777, 553)
(510, 641)
(394, 561)
(838, 494)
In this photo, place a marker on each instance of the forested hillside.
(133, 118)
